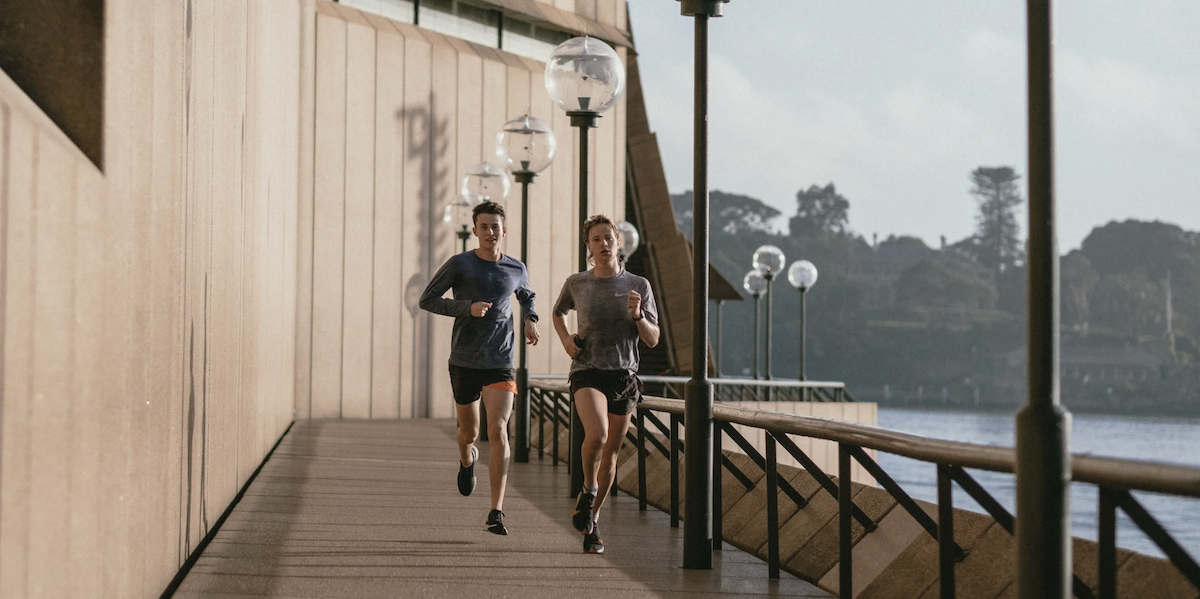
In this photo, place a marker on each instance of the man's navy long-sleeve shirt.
(485, 342)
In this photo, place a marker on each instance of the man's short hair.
(596, 220)
(486, 207)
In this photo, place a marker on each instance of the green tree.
(943, 284)
(729, 213)
(997, 244)
(1078, 280)
(819, 210)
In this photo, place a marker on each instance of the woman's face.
(602, 242)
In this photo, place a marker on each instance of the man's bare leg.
(499, 408)
(468, 430)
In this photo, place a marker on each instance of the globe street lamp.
(630, 240)
(525, 146)
(458, 212)
(802, 275)
(768, 261)
(755, 285)
(483, 182)
(585, 77)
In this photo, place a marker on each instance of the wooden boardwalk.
(357, 509)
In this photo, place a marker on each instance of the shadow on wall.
(429, 146)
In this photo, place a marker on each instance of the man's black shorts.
(468, 383)
(622, 388)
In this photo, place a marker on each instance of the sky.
(897, 102)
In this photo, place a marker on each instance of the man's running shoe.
(592, 542)
(582, 518)
(495, 523)
(466, 474)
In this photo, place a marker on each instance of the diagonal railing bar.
(985, 500)
(901, 496)
(822, 478)
(758, 459)
(658, 445)
(737, 472)
(658, 424)
(1176, 554)
(1003, 517)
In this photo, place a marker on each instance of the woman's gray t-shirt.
(608, 332)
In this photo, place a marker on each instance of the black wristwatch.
(641, 315)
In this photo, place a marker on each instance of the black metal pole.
(1043, 426)
(521, 451)
(802, 294)
(769, 278)
(756, 343)
(717, 356)
(583, 120)
(698, 408)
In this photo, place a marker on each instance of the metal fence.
(1115, 479)
(740, 389)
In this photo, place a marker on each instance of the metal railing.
(739, 389)
(1115, 478)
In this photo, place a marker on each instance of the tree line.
(895, 317)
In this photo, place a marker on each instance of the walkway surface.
(353, 509)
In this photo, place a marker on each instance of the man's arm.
(526, 297)
(441, 282)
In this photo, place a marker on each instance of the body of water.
(1172, 440)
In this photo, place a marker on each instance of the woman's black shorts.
(622, 388)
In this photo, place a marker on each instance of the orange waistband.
(510, 386)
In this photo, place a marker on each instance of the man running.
(615, 309)
(481, 351)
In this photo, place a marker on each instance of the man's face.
(489, 228)
(602, 242)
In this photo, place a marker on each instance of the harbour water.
(1172, 440)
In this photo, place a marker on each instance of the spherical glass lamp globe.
(526, 144)
(458, 212)
(802, 274)
(483, 182)
(630, 240)
(754, 283)
(768, 261)
(585, 74)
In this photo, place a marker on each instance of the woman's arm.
(564, 336)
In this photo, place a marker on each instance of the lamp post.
(630, 240)
(768, 261)
(698, 408)
(755, 285)
(1043, 425)
(802, 275)
(458, 212)
(585, 77)
(525, 146)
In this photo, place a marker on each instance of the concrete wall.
(149, 328)
(399, 114)
(268, 211)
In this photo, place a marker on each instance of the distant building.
(1098, 364)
